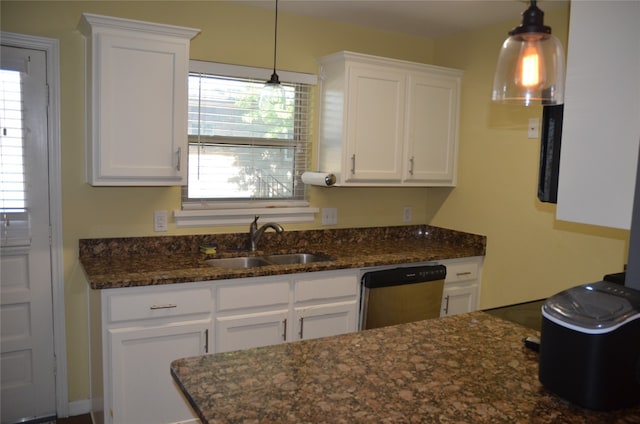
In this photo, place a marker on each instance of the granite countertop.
(469, 368)
(140, 261)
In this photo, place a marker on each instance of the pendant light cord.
(275, 40)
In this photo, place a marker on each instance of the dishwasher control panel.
(404, 275)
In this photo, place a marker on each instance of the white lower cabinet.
(135, 335)
(326, 304)
(142, 389)
(137, 332)
(245, 331)
(461, 286)
(331, 319)
(256, 312)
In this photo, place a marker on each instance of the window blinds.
(238, 151)
(14, 216)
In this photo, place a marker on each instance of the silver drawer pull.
(166, 306)
(462, 274)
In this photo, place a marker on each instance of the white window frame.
(213, 213)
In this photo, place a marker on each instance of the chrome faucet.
(255, 233)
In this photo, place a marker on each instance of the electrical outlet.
(329, 216)
(406, 214)
(160, 221)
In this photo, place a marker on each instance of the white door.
(313, 322)
(143, 390)
(431, 128)
(459, 299)
(251, 330)
(375, 124)
(26, 311)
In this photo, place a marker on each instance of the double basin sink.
(245, 262)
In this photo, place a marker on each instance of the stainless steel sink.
(245, 262)
(296, 258)
(238, 263)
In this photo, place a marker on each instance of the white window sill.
(222, 217)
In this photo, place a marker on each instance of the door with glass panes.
(26, 309)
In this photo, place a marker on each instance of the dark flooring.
(528, 314)
(79, 419)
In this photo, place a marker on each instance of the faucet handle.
(254, 225)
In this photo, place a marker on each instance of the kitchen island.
(470, 368)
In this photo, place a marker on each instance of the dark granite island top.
(470, 368)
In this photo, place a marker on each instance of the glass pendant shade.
(272, 95)
(530, 65)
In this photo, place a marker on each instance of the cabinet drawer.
(326, 288)
(159, 303)
(463, 271)
(251, 296)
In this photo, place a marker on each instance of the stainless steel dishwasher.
(399, 295)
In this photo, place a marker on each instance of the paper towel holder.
(323, 179)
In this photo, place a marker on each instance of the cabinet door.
(141, 110)
(142, 389)
(137, 101)
(601, 123)
(246, 331)
(459, 298)
(374, 124)
(325, 320)
(432, 124)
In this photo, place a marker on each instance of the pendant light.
(531, 64)
(272, 96)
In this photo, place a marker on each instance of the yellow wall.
(230, 34)
(530, 255)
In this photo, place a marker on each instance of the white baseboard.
(79, 407)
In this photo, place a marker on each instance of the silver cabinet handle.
(446, 305)
(301, 333)
(165, 306)
(411, 166)
(284, 333)
(178, 158)
(462, 274)
(353, 164)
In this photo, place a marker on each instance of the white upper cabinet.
(375, 110)
(387, 122)
(431, 128)
(601, 125)
(136, 99)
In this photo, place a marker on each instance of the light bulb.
(530, 73)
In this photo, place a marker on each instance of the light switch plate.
(406, 214)
(160, 221)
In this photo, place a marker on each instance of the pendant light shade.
(531, 64)
(272, 96)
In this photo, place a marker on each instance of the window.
(244, 161)
(14, 216)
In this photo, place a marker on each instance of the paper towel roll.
(318, 178)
